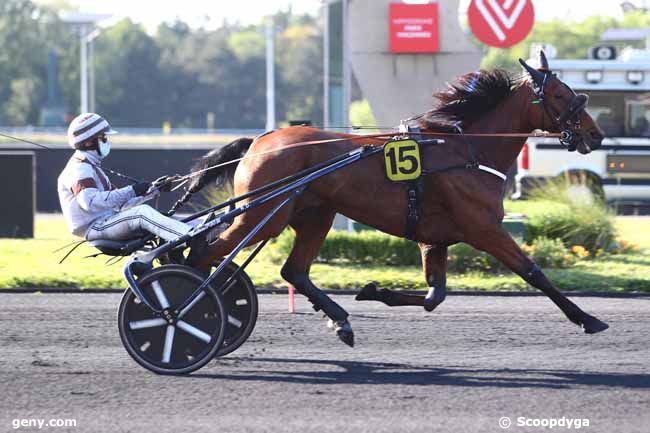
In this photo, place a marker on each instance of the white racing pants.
(130, 223)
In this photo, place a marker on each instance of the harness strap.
(473, 162)
(470, 166)
(105, 181)
(469, 144)
(414, 189)
(492, 171)
(116, 173)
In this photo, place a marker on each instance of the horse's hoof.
(346, 336)
(591, 325)
(434, 298)
(367, 293)
(344, 331)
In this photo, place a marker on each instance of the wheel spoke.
(190, 329)
(149, 323)
(169, 341)
(234, 321)
(162, 299)
(185, 310)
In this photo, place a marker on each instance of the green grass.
(635, 230)
(33, 263)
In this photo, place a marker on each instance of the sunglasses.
(103, 138)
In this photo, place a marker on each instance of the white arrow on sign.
(500, 11)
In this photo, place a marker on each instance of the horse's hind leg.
(499, 244)
(311, 226)
(434, 266)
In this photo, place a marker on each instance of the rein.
(116, 173)
(361, 137)
(471, 165)
(185, 178)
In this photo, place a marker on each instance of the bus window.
(638, 117)
(608, 110)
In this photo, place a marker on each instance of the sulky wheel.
(186, 341)
(240, 302)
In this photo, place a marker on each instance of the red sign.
(501, 23)
(414, 28)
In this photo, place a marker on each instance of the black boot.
(176, 256)
(367, 293)
(198, 246)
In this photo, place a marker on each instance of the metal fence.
(26, 130)
(142, 163)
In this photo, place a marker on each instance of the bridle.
(568, 121)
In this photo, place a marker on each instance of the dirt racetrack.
(460, 369)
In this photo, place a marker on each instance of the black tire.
(197, 334)
(241, 304)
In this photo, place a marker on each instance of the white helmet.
(86, 126)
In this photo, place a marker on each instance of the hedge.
(590, 226)
(557, 236)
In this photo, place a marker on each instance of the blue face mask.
(104, 148)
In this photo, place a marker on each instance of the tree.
(361, 114)
(248, 44)
(178, 75)
(128, 81)
(300, 65)
(27, 32)
(20, 61)
(572, 39)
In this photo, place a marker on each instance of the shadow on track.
(354, 372)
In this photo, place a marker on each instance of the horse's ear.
(542, 61)
(537, 76)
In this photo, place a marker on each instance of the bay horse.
(459, 203)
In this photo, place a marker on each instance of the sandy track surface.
(461, 368)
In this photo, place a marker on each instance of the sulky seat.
(118, 248)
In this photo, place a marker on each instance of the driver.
(93, 208)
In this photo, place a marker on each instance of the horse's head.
(560, 109)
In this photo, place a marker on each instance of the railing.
(26, 130)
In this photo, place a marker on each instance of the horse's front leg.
(434, 266)
(499, 243)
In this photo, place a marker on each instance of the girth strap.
(414, 189)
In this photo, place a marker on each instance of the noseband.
(567, 122)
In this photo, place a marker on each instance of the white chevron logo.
(507, 19)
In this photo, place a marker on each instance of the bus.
(619, 101)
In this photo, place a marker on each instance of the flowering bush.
(581, 252)
(550, 253)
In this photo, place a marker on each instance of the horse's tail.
(222, 176)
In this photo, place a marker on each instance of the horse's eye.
(558, 96)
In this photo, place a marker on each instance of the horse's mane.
(468, 98)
